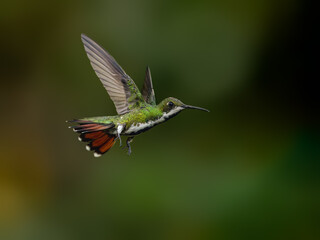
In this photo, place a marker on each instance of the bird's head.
(172, 106)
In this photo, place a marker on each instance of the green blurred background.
(247, 170)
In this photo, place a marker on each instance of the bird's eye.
(170, 104)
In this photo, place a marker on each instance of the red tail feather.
(100, 140)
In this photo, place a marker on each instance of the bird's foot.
(129, 140)
(119, 140)
(119, 130)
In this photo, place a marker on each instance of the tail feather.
(87, 137)
(98, 142)
(102, 144)
(106, 146)
(91, 127)
(97, 134)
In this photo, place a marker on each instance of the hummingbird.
(137, 111)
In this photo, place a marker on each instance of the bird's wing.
(147, 89)
(121, 88)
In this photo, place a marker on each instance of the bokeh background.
(249, 169)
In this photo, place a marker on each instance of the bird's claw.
(129, 150)
(119, 130)
(129, 140)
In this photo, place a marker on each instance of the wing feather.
(120, 87)
(147, 89)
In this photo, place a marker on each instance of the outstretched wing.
(121, 88)
(147, 89)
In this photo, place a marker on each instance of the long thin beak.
(193, 107)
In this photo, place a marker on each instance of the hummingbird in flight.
(137, 111)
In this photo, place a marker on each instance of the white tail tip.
(97, 155)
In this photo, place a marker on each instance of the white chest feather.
(138, 127)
